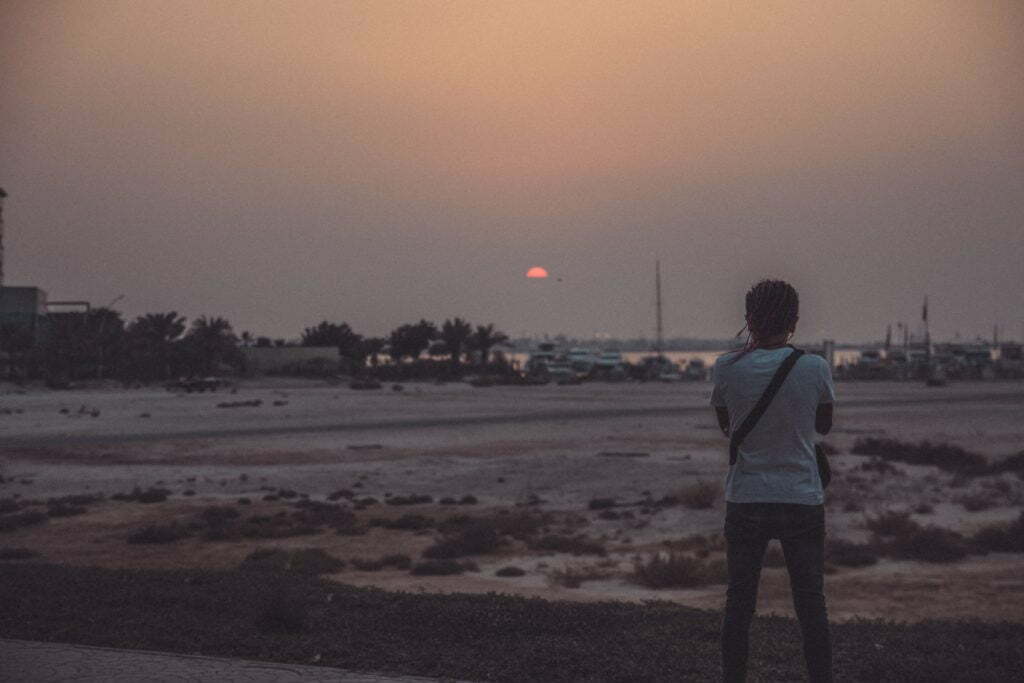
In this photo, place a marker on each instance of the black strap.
(762, 404)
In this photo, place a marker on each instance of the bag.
(824, 470)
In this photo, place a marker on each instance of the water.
(682, 358)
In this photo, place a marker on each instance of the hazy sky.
(278, 163)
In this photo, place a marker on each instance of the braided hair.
(772, 309)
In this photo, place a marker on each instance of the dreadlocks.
(772, 309)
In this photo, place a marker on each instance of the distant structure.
(23, 307)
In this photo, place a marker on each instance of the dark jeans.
(801, 530)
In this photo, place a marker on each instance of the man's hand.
(722, 413)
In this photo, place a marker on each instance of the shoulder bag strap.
(762, 404)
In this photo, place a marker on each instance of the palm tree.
(211, 342)
(411, 340)
(455, 333)
(485, 338)
(151, 340)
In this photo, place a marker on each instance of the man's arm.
(823, 418)
(722, 413)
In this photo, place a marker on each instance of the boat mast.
(657, 303)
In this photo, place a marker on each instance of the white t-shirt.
(776, 462)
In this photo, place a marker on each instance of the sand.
(561, 446)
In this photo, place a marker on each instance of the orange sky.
(283, 162)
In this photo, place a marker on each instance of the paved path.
(34, 662)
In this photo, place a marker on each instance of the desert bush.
(477, 538)
(408, 522)
(244, 501)
(676, 570)
(364, 564)
(308, 561)
(944, 456)
(397, 560)
(843, 553)
(929, 544)
(339, 494)
(1001, 538)
(157, 533)
(510, 571)
(601, 503)
(65, 510)
(609, 515)
(573, 575)
(1012, 463)
(137, 495)
(468, 499)
(17, 554)
(560, 543)
(76, 499)
(699, 496)
(8, 505)
(891, 523)
(880, 466)
(448, 500)
(924, 509)
(414, 499)
(217, 516)
(976, 501)
(444, 567)
(22, 519)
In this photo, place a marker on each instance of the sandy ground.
(506, 446)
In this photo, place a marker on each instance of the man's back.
(776, 461)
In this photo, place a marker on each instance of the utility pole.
(2, 195)
(657, 303)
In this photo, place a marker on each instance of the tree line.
(100, 344)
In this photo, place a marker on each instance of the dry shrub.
(677, 570)
(157, 533)
(976, 501)
(930, 544)
(309, 561)
(891, 523)
(510, 571)
(17, 554)
(476, 538)
(843, 553)
(573, 575)
(944, 456)
(577, 545)
(601, 503)
(700, 496)
(441, 568)
(1001, 538)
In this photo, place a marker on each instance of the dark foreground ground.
(257, 615)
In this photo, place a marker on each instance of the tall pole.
(657, 303)
(2, 195)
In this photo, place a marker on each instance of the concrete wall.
(263, 359)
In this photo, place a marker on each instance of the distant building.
(23, 307)
(262, 360)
